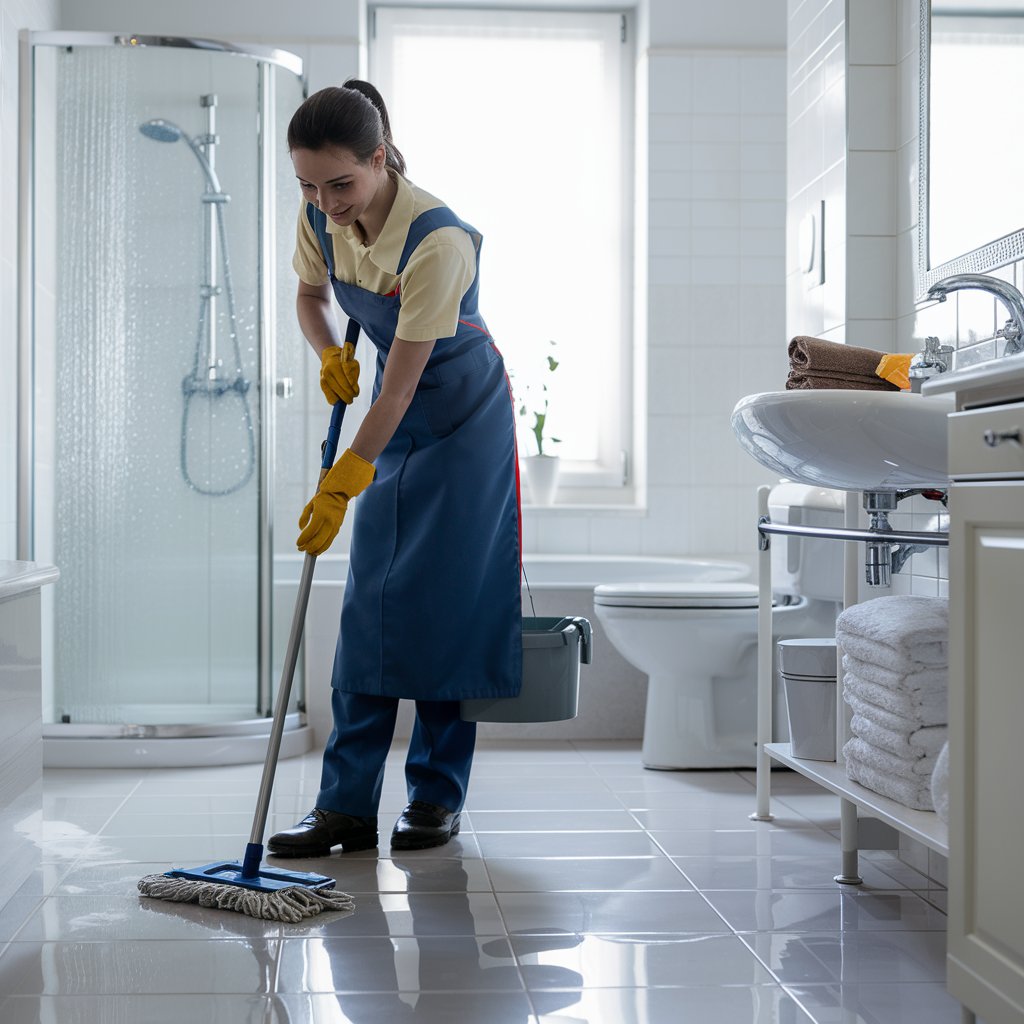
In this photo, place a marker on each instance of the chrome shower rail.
(270, 54)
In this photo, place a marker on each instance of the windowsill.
(566, 508)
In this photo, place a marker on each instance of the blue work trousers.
(436, 768)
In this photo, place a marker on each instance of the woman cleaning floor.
(432, 608)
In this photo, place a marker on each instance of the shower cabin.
(158, 343)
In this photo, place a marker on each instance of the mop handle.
(329, 450)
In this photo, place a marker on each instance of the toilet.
(697, 642)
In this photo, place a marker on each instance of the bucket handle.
(582, 626)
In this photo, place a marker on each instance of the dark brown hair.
(352, 116)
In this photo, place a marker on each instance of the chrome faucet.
(1012, 332)
(935, 358)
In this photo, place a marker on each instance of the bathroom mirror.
(970, 200)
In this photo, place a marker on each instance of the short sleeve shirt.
(436, 277)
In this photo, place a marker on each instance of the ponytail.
(352, 116)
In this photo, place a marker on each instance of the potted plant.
(541, 467)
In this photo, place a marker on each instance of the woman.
(432, 607)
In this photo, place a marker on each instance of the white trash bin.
(808, 671)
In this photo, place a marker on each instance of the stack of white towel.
(896, 666)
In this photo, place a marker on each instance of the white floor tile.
(575, 845)
(441, 964)
(236, 965)
(368, 873)
(752, 842)
(629, 961)
(755, 1005)
(398, 1007)
(919, 1003)
(828, 910)
(104, 1009)
(540, 874)
(127, 918)
(553, 821)
(782, 872)
(414, 915)
(862, 957)
(624, 913)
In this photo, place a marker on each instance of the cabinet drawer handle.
(993, 438)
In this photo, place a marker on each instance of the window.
(521, 121)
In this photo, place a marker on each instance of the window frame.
(609, 480)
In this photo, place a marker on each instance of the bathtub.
(612, 692)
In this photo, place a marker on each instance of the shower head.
(160, 130)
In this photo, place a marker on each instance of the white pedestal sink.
(850, 440)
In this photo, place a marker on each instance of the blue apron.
(432, 607)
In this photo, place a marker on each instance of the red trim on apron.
(515, 449)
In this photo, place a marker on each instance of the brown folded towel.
(851, 382)
(813, 355)
(816, 363)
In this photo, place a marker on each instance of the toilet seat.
(676, 595)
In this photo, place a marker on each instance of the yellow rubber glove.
(339, 373)
(322, 517)
(893, 368)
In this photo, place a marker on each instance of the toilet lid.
(677, 595)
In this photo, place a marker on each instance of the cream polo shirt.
(436, 277)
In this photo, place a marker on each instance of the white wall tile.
(870, 277)
(669, 452)
(671, 270)
(763, 128)
(671, 85)
(670, 156)
(669, 315)
(715, 127)
(669, 242)
(673, 128)
(667, 529)
(716, 213)
(871, 181)
(715, 242)
(668, 374)
(762, 85)
(716, 84)
(871, 35)
(872, 107)
(616, 535)
(715, 270)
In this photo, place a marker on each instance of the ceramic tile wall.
(14, 16)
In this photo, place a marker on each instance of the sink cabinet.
(985, 948)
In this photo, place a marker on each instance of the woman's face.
(337, 183)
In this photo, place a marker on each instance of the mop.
(272, 894)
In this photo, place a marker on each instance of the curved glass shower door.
(155, 197)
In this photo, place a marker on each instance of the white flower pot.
(542, 476)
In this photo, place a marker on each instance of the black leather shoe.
(422, 825)
(320, 830)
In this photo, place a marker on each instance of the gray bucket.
(553, 650)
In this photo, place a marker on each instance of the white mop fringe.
(290, 905)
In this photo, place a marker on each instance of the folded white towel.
(922, 708)
(886, 719)
(917, 769)
(911, 744)
(903, 632)
(940, 784)
(931, 739)
(905, 791)
(927, 679)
